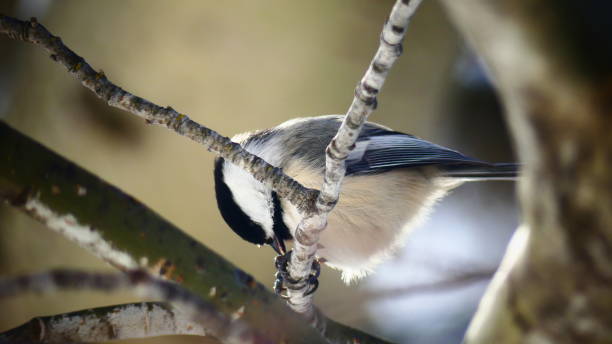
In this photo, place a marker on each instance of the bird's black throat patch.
(280, 228)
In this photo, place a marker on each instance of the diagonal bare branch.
(364, 103)
(304, 198)
(113, 95)
(118, 322)
(127, 234)
(221, 326)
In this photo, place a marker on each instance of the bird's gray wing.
(381, 150)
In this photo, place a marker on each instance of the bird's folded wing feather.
(381, 150)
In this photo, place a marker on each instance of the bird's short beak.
(278, 245)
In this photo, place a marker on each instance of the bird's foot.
(284, 281)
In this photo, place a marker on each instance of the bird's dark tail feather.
(484, 171)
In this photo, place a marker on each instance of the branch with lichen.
(314, 205)
(219, 325)
(364, 103)
(103, 324)
(33, 32)
(126, 234)
(315, 212)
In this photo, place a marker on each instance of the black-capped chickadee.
(392, 181)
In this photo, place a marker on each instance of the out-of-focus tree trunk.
(550, 61)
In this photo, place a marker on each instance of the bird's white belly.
(373, 215)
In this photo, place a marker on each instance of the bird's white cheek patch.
(250, 195)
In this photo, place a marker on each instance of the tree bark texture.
(550, 61)
(135, 320)
(34, 178)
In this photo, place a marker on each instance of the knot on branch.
(334, 152)
(368, 100)
(77, 66)
(353, 122)
(177, 121)
(100, 75)
(380, 67)
(308, 204)
(310, 237)
(395, 49)
(326, 204)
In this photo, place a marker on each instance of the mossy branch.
(127, 234)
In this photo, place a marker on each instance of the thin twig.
(451, 283)
(364, 103)
(219, 325)
(413, 290)
(286, 187)
(119, 322)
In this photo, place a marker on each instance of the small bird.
(392, 182)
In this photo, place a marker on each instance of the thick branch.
(364, 102)
(127, 234)
(550, 60)
(219, 325)
(113, 95)
(128, 321)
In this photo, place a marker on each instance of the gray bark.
(550, 61)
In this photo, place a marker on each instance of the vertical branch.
(364, 103)
(550, 61)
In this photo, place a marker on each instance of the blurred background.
(242, 65)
